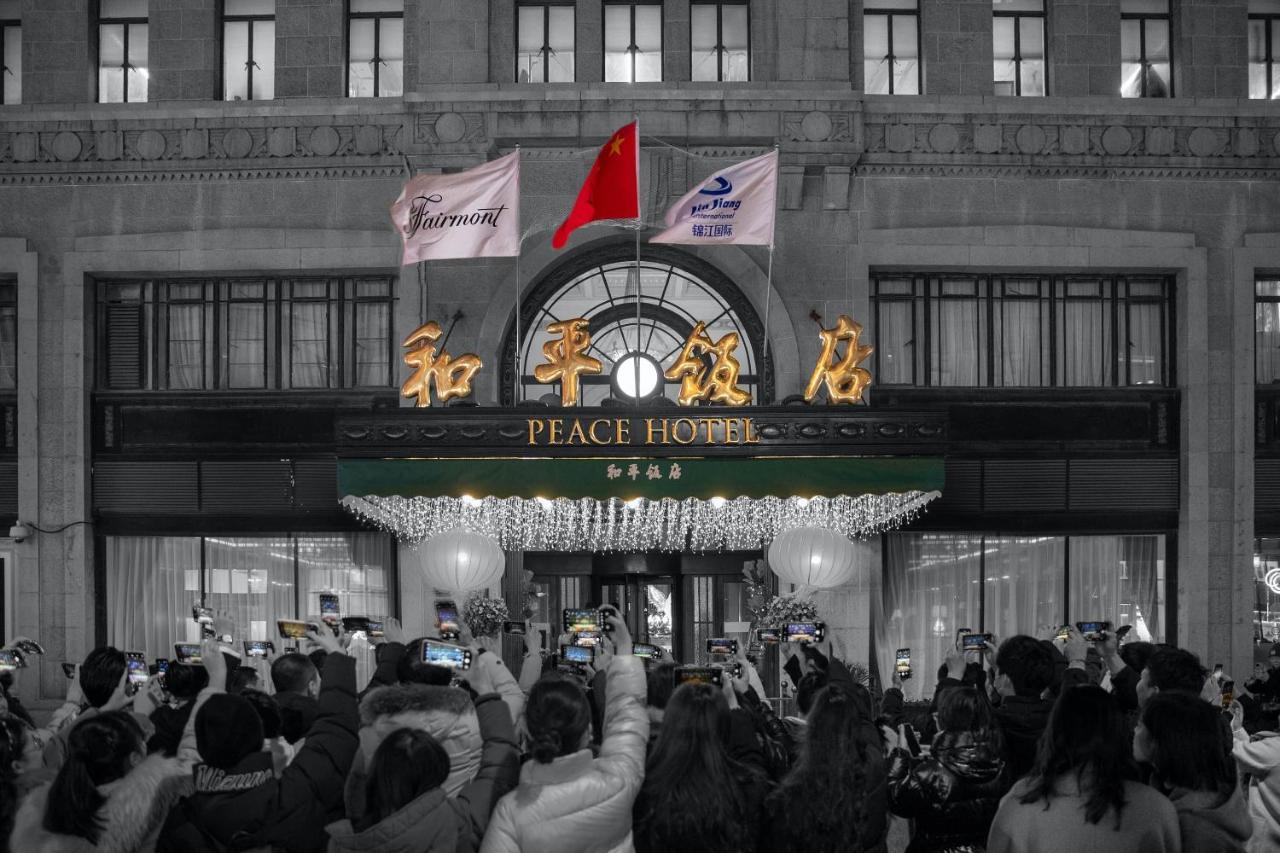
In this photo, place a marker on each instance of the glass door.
(648, 604)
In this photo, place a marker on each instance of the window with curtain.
(1266, 584)
(936, 584)
(1146, 58)
(245, 333)
(153, 582)
(8, 335)
(375, 48)
(1264, 49)
(1008, 331)
(122, 51)
(1018, 42)
(720, 41)
(544, 43)
(1266, 331)
(632, 42)
(10, 51)
(248, 50)
(891, 47)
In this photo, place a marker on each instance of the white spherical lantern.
(459, 560)
(812, 557)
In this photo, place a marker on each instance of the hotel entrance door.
(649, 605)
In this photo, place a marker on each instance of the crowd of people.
(1032, 745)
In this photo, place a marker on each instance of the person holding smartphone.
(570, 800)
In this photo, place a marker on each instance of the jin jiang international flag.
(471, 214)
(734, 206)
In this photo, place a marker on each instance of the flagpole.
(636, 360)
(515, 367)
(768, 282)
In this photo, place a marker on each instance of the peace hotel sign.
(707, 370)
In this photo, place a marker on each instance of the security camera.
(19, 532)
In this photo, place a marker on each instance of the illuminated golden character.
(452, 376)
(845, 380)
(568, 358)
(719, 384)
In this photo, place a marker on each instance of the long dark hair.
(557, 715)
(1190, 743)
(407, 764)
(823, 798)
(967, 709)
(12, 732)
(693, 796)
(99, 750)
(1085, 736)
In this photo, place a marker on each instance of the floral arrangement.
(781, 609)
(484, 616)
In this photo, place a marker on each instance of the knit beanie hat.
(227, 729)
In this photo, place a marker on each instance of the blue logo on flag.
(719, 187)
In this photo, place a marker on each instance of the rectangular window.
(544, 43)
(720, 37)
(245, 333)
(153, 581)
(936, 584)
(891, 47)
(8, 335)
(633, 42)
(1266, 331)
(1028, 331)
(1266, 585)
(1264, 49)
(1146, 58)
(248, 50)
(10, 51)
(122, 51)
(375, 49)
(1018, 39)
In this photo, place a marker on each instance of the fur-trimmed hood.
(446, 713)
(135, 810)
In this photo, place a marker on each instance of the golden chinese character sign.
(452, 376)
(567, 358)
(717, 383)
(844, 379)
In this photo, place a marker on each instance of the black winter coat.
(953, 794)
(247, 807)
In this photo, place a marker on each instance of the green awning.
(639, 477)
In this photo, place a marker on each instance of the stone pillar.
(1211, 49)
(185, 41)
(55, 53)
(454, 35)
(813, 40)
(676, 41)
(856, 52)
(310, 49)
(1084, 48)
(502, 41)
(956, 48)
(589, 41)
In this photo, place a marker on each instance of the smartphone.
(578, 654)
(722, 646)
(258, 648)
(202, 615)
(446, 655)
(648, 651)
(1122, 630)
(136, 666)
(974, 642)
(11, 659)
(355, 624)
(902, 663)
(913, 741)
(697, 675)
(295, 629)
(769, 635)
(1228, 693)
(514, 628)
(68, 669)
(447, 618)
(162, 669)
(805, 632)
(581, 619)
(329, 609)
(1064, 634)
(1093, 632)
(206, 631)
(587, 639)
(188, 653)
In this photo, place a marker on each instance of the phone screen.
(1064, 634)
(577, 654)
(446, 655)
(974, 642)
(804, 632)
(447, 618)
(10, 660)
(162, 666)
(292, 629)
(581, 619)
(203, 615)
(188, 653)
(769, 635)
(513, 628)
(587, 639)
(1093, 631)
(355, 624)
(648, 651)
(258, 648)
(697, 675)
(721, 646)
(137, 667)
(329, 608)
(902, 663)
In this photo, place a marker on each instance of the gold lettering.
(693, 431)
(752, 436)
(717, 384)
(535, 426)
(452, 376)
(576, 430)
(553, 436)
(731, 431)
(567, 358)
(591, 430)
(623, 430)
(709, 429)
(845, 380)
(648, 425)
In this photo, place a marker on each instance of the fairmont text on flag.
(734, 206)
(471, 214)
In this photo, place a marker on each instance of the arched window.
(676, 292)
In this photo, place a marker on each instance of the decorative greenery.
(755, 583)
(781, 609)
(484, 616)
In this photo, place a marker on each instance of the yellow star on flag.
(615, 147)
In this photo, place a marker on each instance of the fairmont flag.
(735, 205)
(611, 190)
(471, 214)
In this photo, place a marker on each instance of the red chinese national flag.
(611, 190)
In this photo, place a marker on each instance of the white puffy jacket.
(580, 804)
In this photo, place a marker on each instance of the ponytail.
(557, 717)
(100, 750)
(545, 747)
